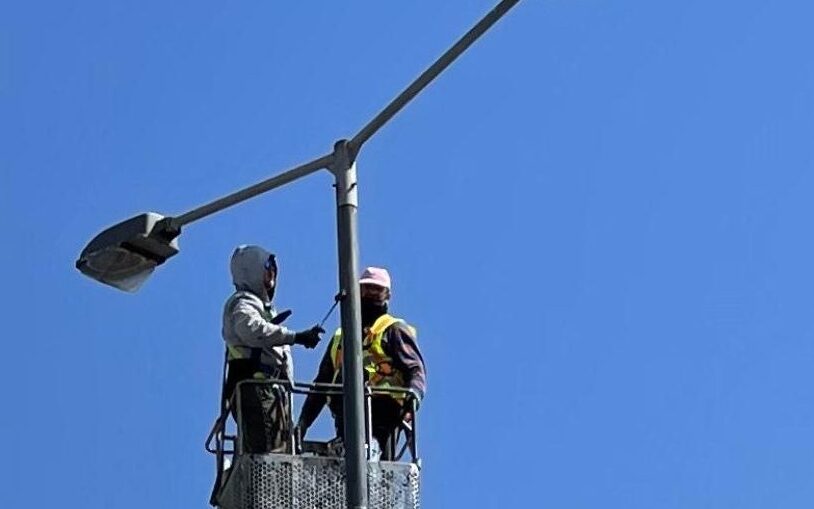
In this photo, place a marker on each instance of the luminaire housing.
(125, 255)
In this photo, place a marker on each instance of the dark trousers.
(265, 419)
(387, 414)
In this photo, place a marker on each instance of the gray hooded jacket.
(247, 314)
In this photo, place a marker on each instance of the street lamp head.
(124, 255)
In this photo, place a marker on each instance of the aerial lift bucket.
(310, 474)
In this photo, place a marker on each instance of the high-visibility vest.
(376, 363)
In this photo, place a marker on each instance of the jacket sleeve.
(403, 348)
(254, 330)
(314, 402)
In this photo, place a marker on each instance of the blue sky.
(598, 219)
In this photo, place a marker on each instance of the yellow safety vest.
(377, 364)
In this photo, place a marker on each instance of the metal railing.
(226, 446)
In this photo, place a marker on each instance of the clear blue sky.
(599, 219)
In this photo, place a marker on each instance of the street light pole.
(126, 254)
(344, 170)
(347, 203)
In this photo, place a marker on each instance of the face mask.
(271, 269)
(270, 287)
(371, 310)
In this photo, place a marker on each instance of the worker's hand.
(309, 338)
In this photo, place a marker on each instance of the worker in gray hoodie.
(258, 347)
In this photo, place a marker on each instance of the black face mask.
(270, 287)
(371, 310)
(270, 291)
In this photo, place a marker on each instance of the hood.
(248, 268)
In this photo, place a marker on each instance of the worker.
(258, 348)
(391, 358)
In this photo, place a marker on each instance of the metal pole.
(252, 191)
(344, 170)
(429, 74)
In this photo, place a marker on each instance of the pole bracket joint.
(344, 169)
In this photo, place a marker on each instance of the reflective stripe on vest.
(240, 352)
(377, 364)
